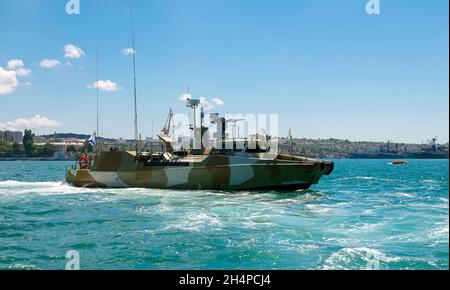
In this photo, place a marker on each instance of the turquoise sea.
(367, 214)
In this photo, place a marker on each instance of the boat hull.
(222, 174)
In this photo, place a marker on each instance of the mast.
(97, 132)
(133, 41)
(291, 141)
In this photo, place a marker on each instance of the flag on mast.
(93, 139)
(291, 139)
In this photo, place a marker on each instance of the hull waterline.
(218, 172)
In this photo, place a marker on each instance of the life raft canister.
(84, 162)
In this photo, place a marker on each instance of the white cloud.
(207, 105)
(185, 97)
(37, 121)
(218, 102)
(107, 85)
(22, 72)
(14, 64)
(203, 101)
(18, 66)
(128, 51)
(8, 81)
(71, 51)
(49, 63)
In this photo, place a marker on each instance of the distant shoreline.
(33, 159)
(72, 160)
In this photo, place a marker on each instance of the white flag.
(93, 140)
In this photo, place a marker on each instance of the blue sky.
(325, 66)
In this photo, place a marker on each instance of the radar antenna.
(133, 42)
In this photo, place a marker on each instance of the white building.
(12, 136)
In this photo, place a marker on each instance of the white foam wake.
(13, 183)
(12, 187)
(356, 258)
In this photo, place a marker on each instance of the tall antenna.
(133, 41)
(152, 130)
(187, 101)
(97, 132)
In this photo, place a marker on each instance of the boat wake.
(14, 183)
(357, 258)
(12, 187)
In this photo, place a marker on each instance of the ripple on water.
(357, 258)
(18, 266)
(365, 211)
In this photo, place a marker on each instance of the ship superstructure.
(222, 164)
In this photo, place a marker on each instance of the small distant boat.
(399, 162)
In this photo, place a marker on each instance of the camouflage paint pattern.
(213, 171)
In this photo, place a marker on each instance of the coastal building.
(11, 136)
(61, 152)
(39, 140)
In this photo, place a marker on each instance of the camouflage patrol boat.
(248, 164)
(228, 165)
(214, 170)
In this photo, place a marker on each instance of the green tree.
(28, 143)
(17, 149)
(5, 149)
(48, 150)
(72, 149)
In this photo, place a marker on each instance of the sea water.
(367, 214)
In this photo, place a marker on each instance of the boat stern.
(82, 178)
(71, 175)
